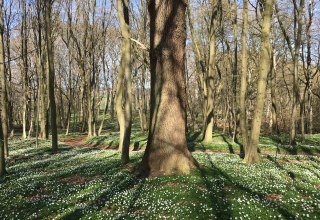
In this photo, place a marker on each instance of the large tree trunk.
(123, 99)
(244, 70)
(251, 154)
(2, 74)
(51, 75)
(167, 150)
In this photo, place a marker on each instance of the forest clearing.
(159, 109)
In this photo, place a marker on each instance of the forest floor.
(269, 144)
(84, 180)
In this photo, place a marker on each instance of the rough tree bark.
(167, 150)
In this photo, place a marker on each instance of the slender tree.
(24, 52)
(51, 74)
(244, 72)
(8, 17)
(209, 78)
(251, 154)
(273, 92)
(2, 75)
(235, 108)
(295, 57)
(123, 99)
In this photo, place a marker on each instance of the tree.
(24, 52)
(167, 150)
(251, 150)
(295, 57)
(209, 78)
(3, 103)
(42, 111)
(244, 69)
(123, 99)
(51, 74)
(3, 75)
(8, 21)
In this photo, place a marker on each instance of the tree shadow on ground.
(136, 146)
(120, 184)
(217, 172)
(192, 140)
(228, 143)
(218, 200)
(294, 177)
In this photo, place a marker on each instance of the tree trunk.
(244, 70)
(235, 110)
(209, 79)
(104, 113)
(123, 99)
(4, 112)
(295, 88)
(251, 155)
(142, 102)
(51, 75)
(9, 73)
(167, 150)
(70, 91)
(311, 7)
(274, 109)
(2, 75)
(42, 80)
(24, 69)
(89, 104)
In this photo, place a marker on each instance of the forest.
(159, 109)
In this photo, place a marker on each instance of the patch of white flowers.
(91, 184)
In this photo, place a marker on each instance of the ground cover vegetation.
(159, 109)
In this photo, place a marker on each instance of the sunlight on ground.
(91, 184)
